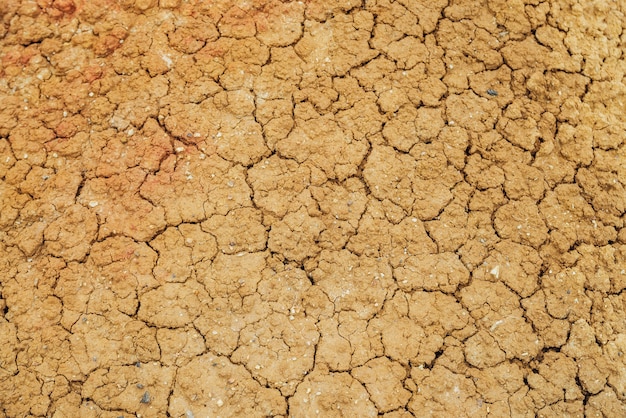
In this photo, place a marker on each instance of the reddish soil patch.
(319, 208)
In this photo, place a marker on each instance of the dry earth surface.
(312, 208)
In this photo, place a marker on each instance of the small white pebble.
(93, 204)
(495, 272)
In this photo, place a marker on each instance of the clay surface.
(221, 208)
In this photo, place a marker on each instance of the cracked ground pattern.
(312, 208)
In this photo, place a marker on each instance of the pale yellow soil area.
(350, 208)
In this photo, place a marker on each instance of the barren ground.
(317, 208)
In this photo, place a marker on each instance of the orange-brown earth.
(316, 208)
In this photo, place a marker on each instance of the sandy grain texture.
(312, 208)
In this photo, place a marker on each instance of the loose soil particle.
(315, 208)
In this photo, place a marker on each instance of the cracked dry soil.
(316, 208)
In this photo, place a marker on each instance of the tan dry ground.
(335, 208)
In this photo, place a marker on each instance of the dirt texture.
(347, 208)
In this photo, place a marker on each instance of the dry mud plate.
(345, 208)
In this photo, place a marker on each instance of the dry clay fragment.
(99, 342)
(482, 351)
(174, 263)
(280, 24)
(443, 272)
(172, 305)
(554, 380)
(552, 330)
(211, 385)
(231, 281)
(195, 187)
(241, 230)
(323, 143)
(120, 151)
(331, 395)
(336, 45)
(516, 265)
(221, 321)
(28, 298)
(11, 202)
(70, 236)
(296, 236)
(353, 283)
(347, 341)
(383, 380)
(22, 386)
(521, 222)
(278, 350)
(179, 346)
(141, 389)
(119, 207)
(377, 236)
(8, 343)
(410, 329)
(567, 212)
(496, 384)
(406, 180)
(279, 184)
(496, 309)
(443, 393)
